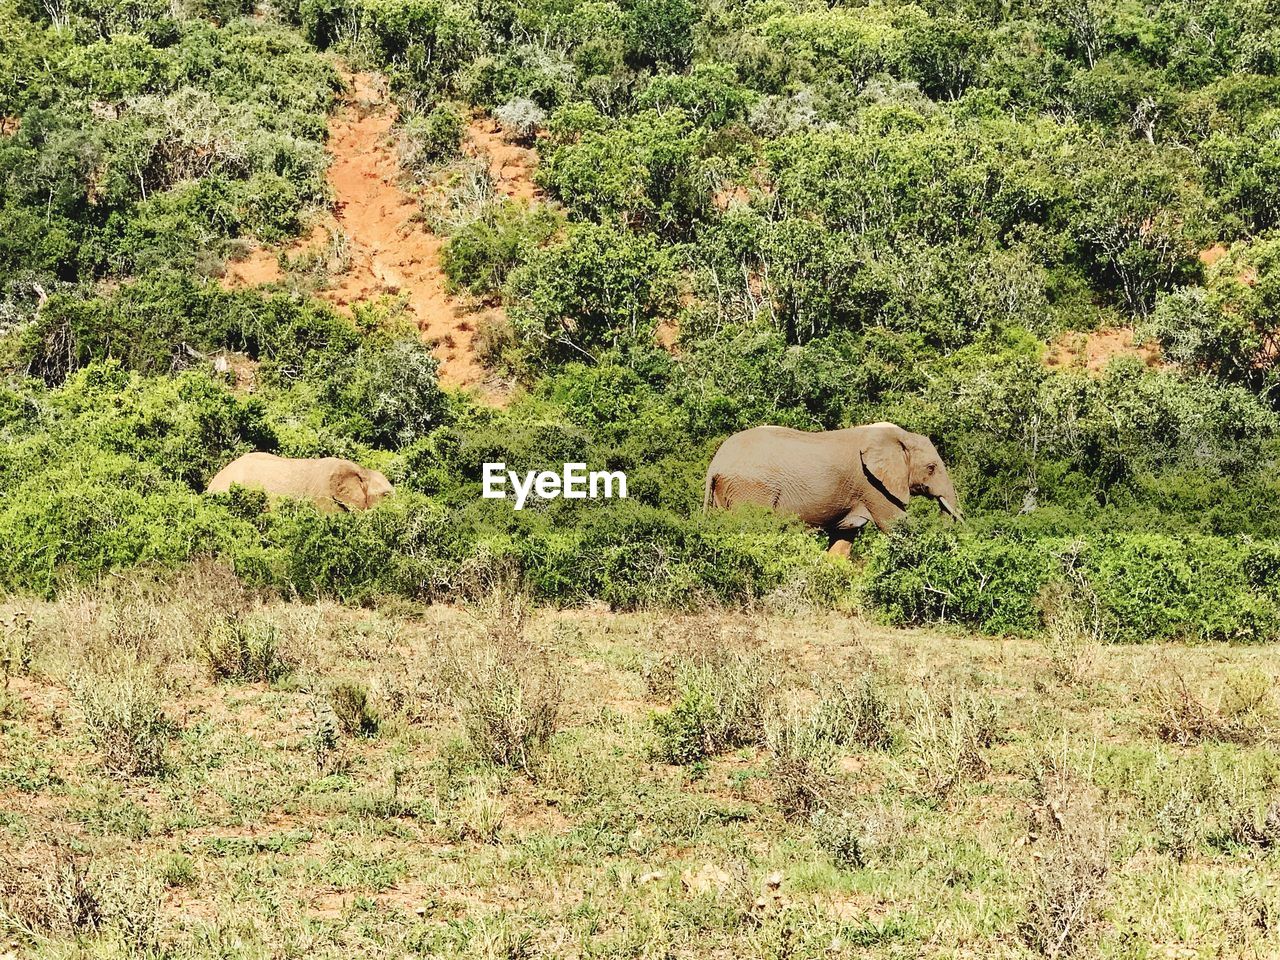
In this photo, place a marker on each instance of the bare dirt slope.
(511, 166)
(389, 251)
(1094, 351)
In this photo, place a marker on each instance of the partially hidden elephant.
(838, 480)
(331, 483)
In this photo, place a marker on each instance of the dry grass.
(858, 791)
(802, 763)
(1073, 628)
(949, 732)
(46, 891)
(1071, 854)
(1243, 710)
(508, 691)
(853, 714)
(124, 717)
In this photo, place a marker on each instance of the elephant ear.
(884, 459)
(349, 490)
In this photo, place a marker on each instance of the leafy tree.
(643, 175)
(944, 55)
(390, 397)
(1131, 221)
(482, 254)
(709, 94)
(1244, 171)
(599, 287)
(660, 32)
(1231, 326)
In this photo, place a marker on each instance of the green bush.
(1149, 586)
(922, 574)
(426, 140)
(1158, 587)
(189, 425)
(481, 255)
(647, 171)
(390, 397)
(394, 548)
(598, 287)
(106, 512)
(244, 649)
(722, 698)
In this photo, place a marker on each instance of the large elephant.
(837, 480)
(331, 483)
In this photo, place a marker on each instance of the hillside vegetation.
(838, 215)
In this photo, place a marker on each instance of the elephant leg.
(849, 526)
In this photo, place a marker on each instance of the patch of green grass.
(285, 842)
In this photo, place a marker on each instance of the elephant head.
(358, 488)
(377, 487)
(901, 464)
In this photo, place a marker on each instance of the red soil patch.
(734, 196)
(1093, 351)
(261, 265)
(510, 166)
(389, 250)
(1211, 255)
(668, 336)
(242, 371)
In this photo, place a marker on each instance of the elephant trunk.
(944, 492)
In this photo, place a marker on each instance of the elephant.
(331, 483)
(837, 480)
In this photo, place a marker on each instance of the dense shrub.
(1148, 586)
(598, 287)
(645, 173)
(124, 718)
(81, 519)
(391, 397)
(198, 134)
(1153, 586)
(481, 255)
(1229, 326)
(427, 139)
(921, 574)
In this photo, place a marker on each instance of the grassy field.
(185, 771)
